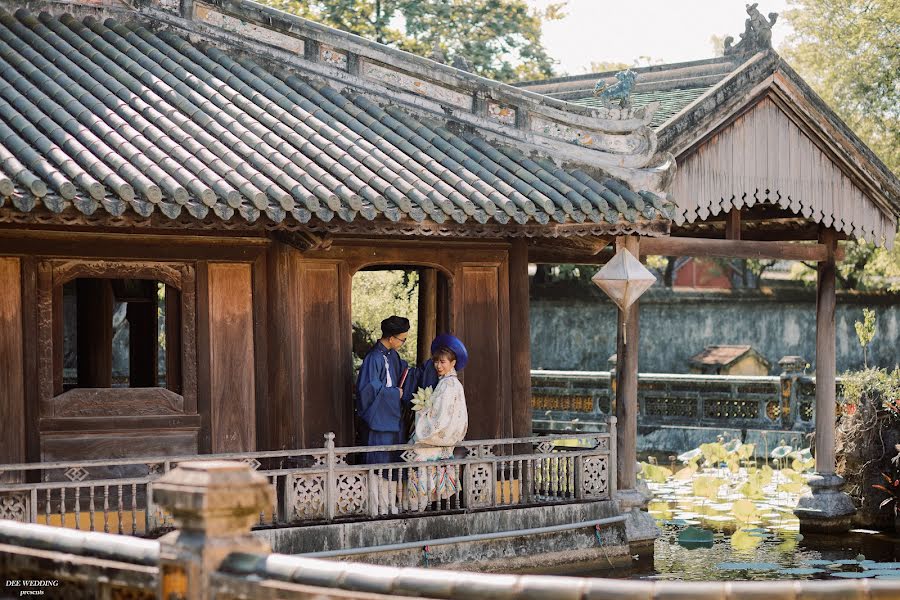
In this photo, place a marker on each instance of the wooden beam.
(627, 344)
(12, 371)
(699, 247)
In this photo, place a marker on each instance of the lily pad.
(694, 537)
(747, 566)
(853, 574)
(817, 562)
(894, 576)
(868, 564)
(801, 571)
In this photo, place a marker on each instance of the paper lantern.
(623, 279)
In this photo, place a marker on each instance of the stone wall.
(574, 328)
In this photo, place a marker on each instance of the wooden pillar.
(733, 224)
(825, 356)
(12, 379)
(520, 338)
(143, 343)
(627, 344)
(94, 332)
(427, 329)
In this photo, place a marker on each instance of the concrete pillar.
(826, 508)
(792, 368)
(214, 504)
(640, 528)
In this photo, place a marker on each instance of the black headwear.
(394, 325)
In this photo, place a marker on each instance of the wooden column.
(825, 356)
(12, 380)
(627, 344)
(283, 407)
(143, 343)
(95, 332)
(427, 313)
(520, 338)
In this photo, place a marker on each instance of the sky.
(663, 30)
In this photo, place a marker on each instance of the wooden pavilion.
(227, 168)
(765, 170)
(231, 167)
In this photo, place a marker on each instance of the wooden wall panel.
(480, 294)
(12, 381)
(763, 155)
(325, 376)
(231, 358)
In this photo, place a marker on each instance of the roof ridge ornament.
(620, 90)
(757, 36)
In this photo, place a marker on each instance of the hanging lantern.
(623, 279)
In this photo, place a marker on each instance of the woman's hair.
(444, 351)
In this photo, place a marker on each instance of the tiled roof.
(671, 101)
(113, 117)
(721, 354)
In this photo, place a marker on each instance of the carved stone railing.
(324, 484)
(582, 400)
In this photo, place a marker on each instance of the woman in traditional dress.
(441, 423)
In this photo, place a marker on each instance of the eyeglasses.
(401, 340)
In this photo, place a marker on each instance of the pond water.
(737, 523)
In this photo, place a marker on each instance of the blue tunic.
(379, 406)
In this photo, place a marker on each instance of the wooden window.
(109, 325)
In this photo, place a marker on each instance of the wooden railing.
(324, 484)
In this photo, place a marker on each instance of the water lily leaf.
(790, 488)
(733, 446)
(747, 566)
(801, 571)
(689, 455)
(745, 511)
(846, 561)
(883, 572)
(743, 540)
(896, 575)
(707, 487)
(781, 451)
(714, 453)
(817, 562)
(853, 574)
(868, 564)
(654, 473)
(746, 451)
(686, 473)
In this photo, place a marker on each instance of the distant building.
(729, 360)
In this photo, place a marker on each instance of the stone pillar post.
(640, 528)
(214, 504)
(792, 368)
(826, 508)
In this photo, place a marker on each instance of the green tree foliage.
(849, 52)
(376, 295)
(500, 39)
(865, 331)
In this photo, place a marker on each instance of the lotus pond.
(727, 516)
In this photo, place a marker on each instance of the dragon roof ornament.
(757, 36)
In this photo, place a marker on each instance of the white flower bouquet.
(422, 399)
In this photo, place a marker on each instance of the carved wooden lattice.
(479, 485)
(731, 409)
(15, 507)
(594, 476)
(670, 407)
(306, 496)
(352, 493)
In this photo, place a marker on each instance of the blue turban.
(445, 340)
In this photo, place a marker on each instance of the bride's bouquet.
(422, 399)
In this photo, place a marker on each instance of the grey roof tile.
(109, 116)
